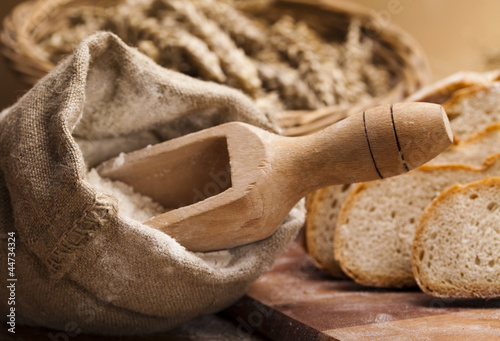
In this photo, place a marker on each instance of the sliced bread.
(377, 223)
(457, 243)
(473, 150)
(322, 212)
(443, 90)
(324, 205)
(473, 109)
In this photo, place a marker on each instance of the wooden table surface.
(296, 301)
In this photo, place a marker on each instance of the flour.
(141, 208)
(217, 259)
(130, 203)
(381, 318)
(119, 161)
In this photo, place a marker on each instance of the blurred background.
(455, 35)
(10, 87)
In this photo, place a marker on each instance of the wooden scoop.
(234, 184)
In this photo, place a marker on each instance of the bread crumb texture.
(457, 244)
(474, 109)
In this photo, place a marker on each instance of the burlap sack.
(79, 263)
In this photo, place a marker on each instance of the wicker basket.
(30, 21)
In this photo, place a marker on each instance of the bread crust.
(441, 91)
(313, 224)
(453, 107)
(481, 133)
(439, 289)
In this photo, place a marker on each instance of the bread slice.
(473, 150)
(322, 212)
(377, 223)
(457, 244)
(443, 90)
(473, 109)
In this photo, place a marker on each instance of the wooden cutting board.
(296, 301)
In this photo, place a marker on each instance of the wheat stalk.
(282, 65)
(238, 67)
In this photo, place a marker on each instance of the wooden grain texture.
(296, 301)
(235, 184)
(476, 325)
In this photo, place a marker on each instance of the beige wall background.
(455, 35)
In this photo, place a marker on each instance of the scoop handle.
(374, 144)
